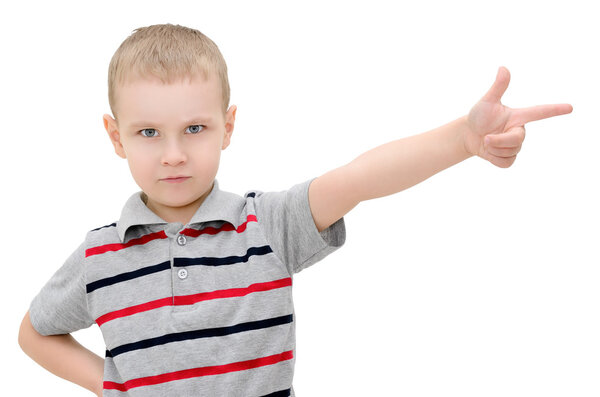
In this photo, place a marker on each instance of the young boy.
(191, 287)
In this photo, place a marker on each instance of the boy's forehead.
(150, 98)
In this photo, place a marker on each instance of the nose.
(173, 152)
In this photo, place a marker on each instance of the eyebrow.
(194, 121)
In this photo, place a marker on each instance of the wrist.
(465, 131)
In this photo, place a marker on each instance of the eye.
(196, 128)
(149, 132)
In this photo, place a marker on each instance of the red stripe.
(227, 227)
(128, 311)
(233, 292)
(202, 371)
(242, 227)
(191, 299)
(118, 246)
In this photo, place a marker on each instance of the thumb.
(495, 93)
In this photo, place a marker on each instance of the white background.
(480, 281)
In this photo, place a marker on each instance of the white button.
(181, 240)
(182, 274)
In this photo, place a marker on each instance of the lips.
(175, 179)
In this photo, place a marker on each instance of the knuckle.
(504, 162)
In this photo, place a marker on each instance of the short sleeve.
(289, 227)
(61, 305)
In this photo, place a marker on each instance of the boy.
(191, 287)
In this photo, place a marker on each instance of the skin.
(490, 130)
(63, 356)
(176, 146)
(166, 130)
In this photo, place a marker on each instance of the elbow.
(25, 332)
(22, 338)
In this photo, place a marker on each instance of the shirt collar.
(218, 206)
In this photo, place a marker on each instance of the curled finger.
(502, 162)
(512, 138)
(503, 152)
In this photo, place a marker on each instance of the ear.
(229, 123)
(110, 125)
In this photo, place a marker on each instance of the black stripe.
(280, 393)
(229, 260)
(102, 227)
(203, 333)
(127, 276)
(179, 262)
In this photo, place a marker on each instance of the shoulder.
(296, 189)
(293, 198)
(105, 229)
(101, 235)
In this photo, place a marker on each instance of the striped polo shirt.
(202, 309)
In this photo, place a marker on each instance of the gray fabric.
(292, 233)
(132, 272)
(61, 306)
(218, 205)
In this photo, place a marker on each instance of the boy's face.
(172, 130)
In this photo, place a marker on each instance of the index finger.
(525, 115)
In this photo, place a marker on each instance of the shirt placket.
(177, 244)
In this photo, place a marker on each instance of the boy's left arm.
(491, 131)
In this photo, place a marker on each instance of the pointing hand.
(496, 132)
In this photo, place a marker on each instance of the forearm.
(385, 170)
(400, 164)
(63, 356)
(493, 132)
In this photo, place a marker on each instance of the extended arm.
(63, 356)
(491, 131)
(385, 170)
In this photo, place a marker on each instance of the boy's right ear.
(113, 133)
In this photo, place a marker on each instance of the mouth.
(176, 179)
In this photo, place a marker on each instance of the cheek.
(206, 152)
(140, 165)
(206, 162)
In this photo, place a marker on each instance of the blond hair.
(168, 52)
